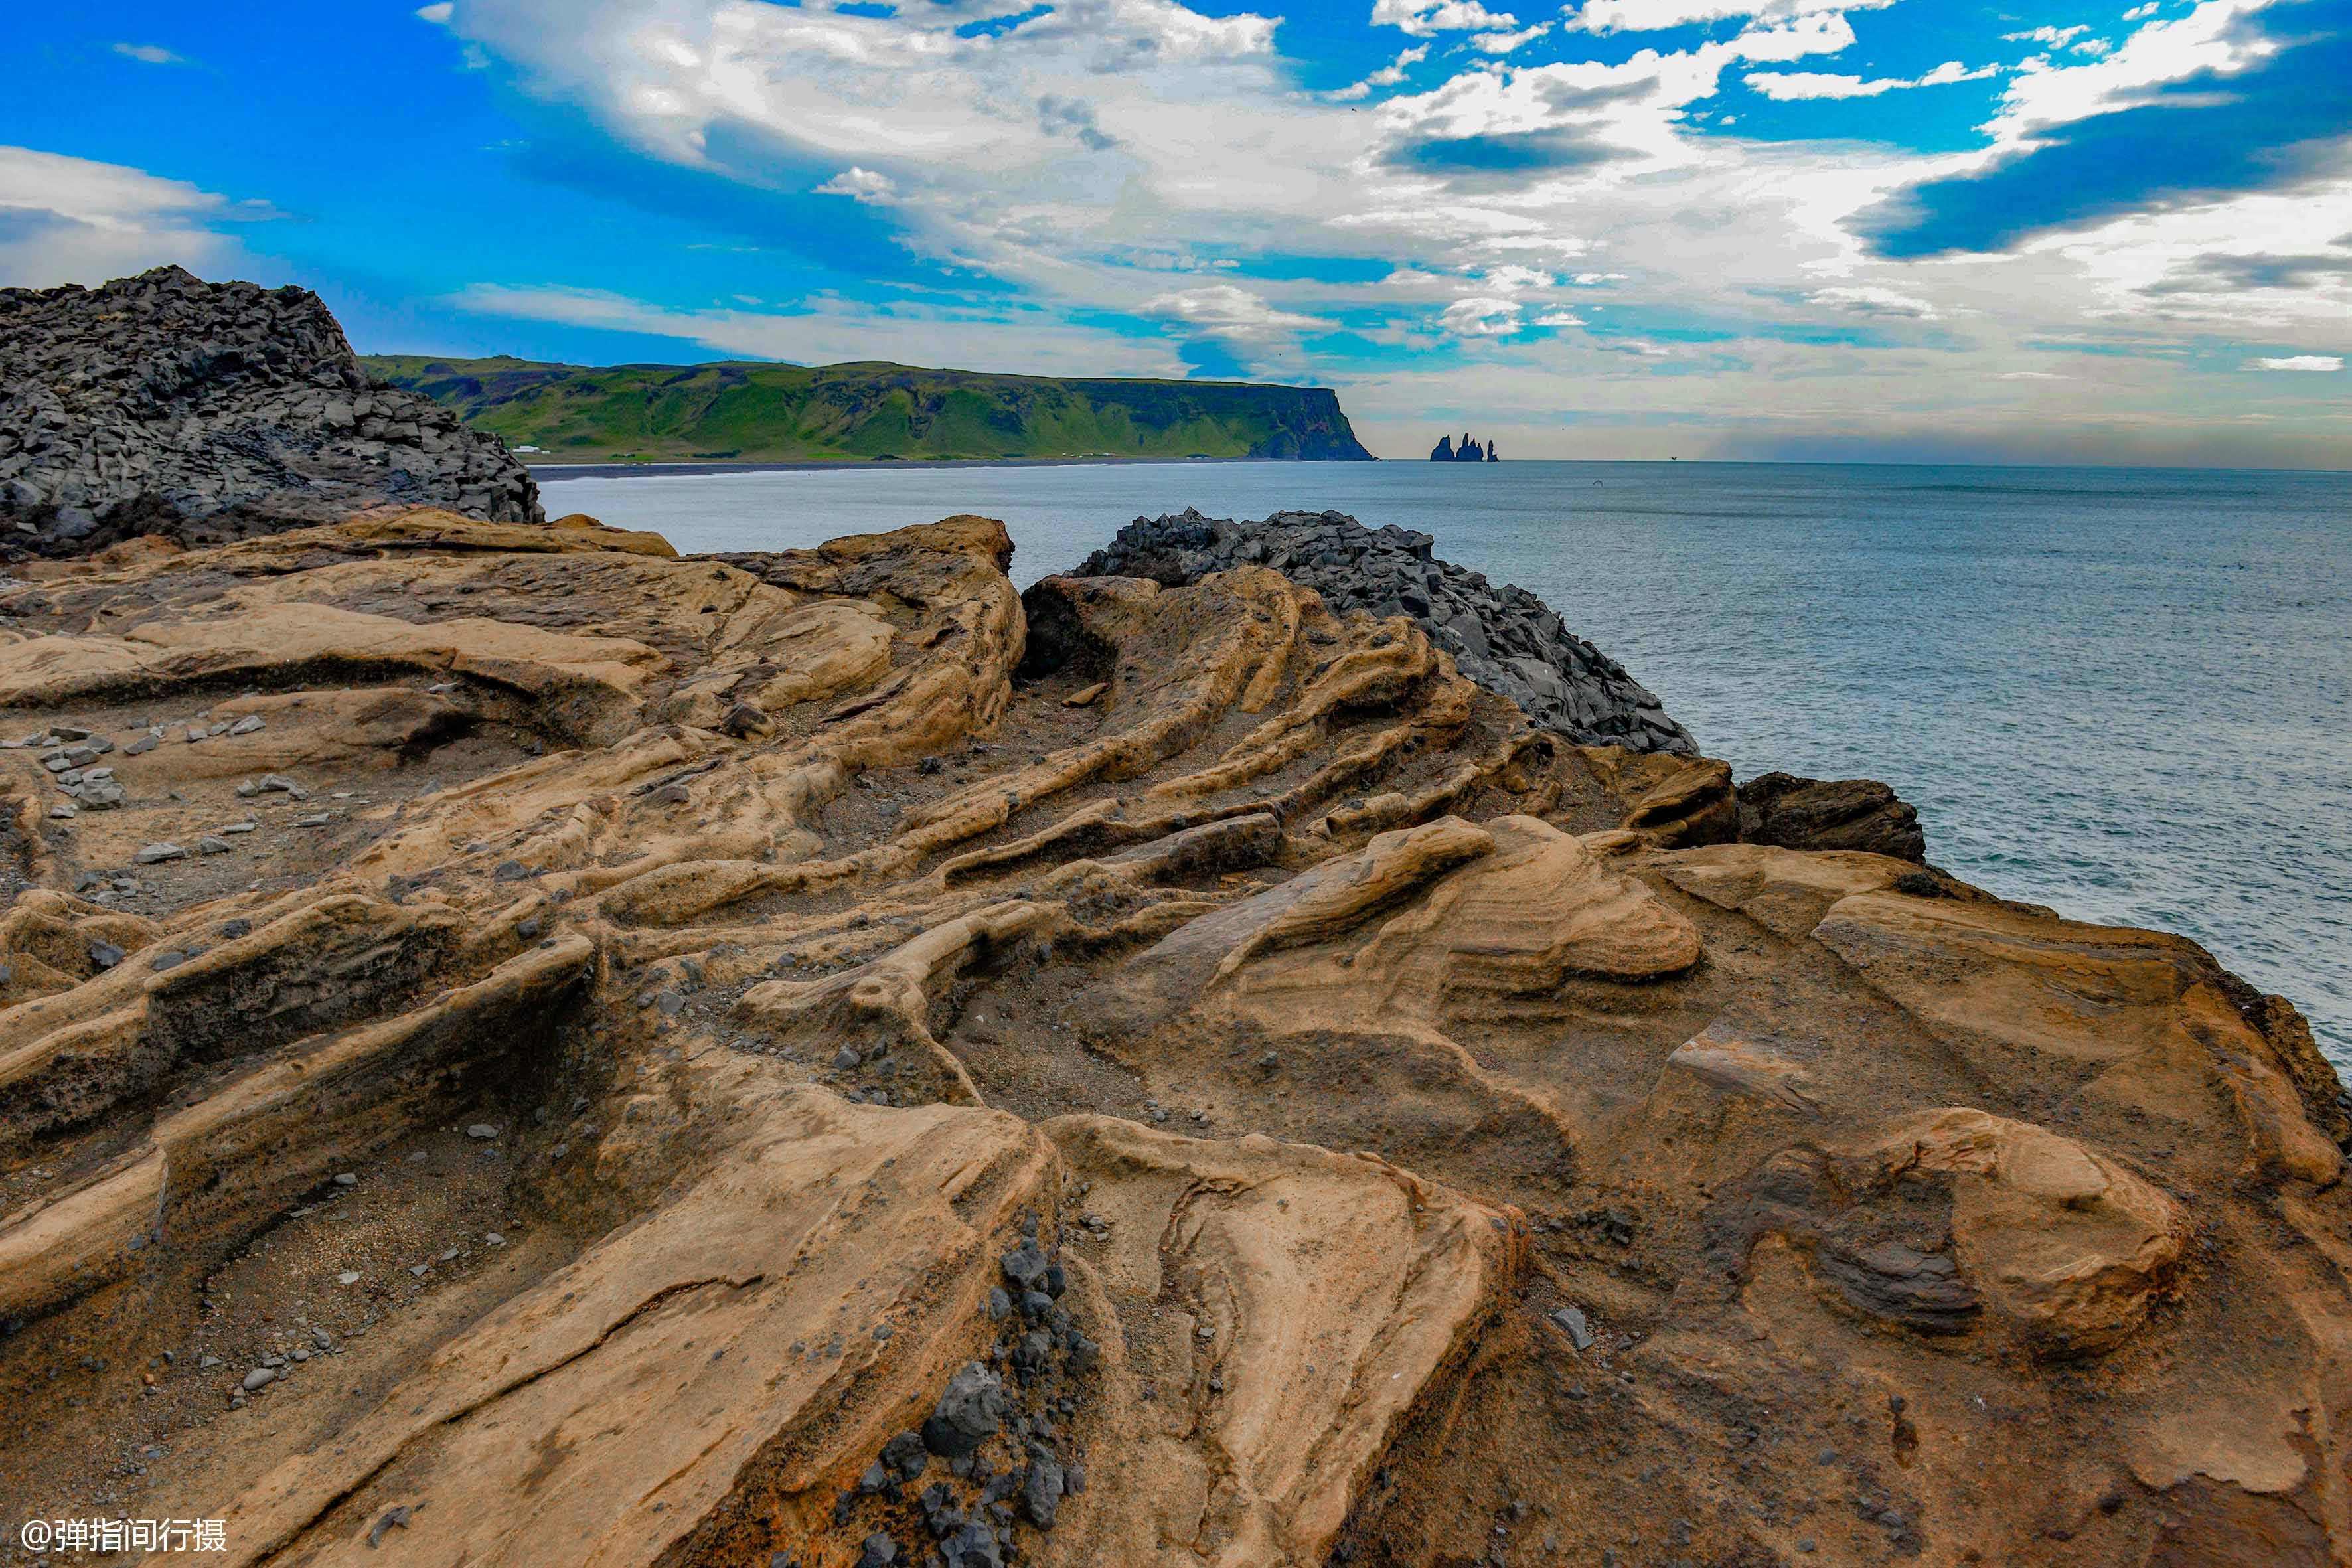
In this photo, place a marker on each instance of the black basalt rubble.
(1505, 639)
(208, 412)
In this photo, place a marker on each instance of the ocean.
(2124, 693)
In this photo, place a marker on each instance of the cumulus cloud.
(1226, 311)
(438, 14)
(1480, 317)
(859, 184)
(2322, 362)
(1422, 17)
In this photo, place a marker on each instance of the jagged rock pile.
(1505, 638)
(162, 404)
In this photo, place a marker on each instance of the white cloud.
(148, 54)
(1226, 311)
(1559, 319)
(1874, 302)
(438, 14)
(859, 184)
(2137, 12)
(72, 220)
(1480, 317)
(2032, 375)
(1503, 43)
(2303, 362)
(2212, 38)
(1652, 15)
(1388, 75)
(1788, 85)
(2051, 38)
(1422, 17)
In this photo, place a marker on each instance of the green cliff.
(745, 412)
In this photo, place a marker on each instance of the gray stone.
(259, 1378)
(156, 854)
(968, 1414)
(1041, 1491)
(1571, 1323)
(481, 1129)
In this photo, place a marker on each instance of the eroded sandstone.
(808, 1058)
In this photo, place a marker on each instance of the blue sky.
(2039, 231)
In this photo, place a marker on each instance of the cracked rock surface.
(818, 1058)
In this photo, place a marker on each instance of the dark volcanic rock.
(1830, 814)
(1504, 638)
(162, 404)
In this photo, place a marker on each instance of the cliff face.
(594, 1056)
(212, 411)
(775, 413)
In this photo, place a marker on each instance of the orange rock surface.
(525, 1048)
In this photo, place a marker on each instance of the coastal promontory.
(756, 412)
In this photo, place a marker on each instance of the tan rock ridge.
(520, 1048)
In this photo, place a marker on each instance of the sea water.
(2125, 693)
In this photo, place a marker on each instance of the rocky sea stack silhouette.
(1469, 451)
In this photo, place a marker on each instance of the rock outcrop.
(1469, 451)
(517, 1047)
(1505, 638)
(162, 404)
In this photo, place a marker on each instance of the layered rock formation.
(817, 1059)
(1505, 638)
(210, 412)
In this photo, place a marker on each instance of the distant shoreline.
(686, 469)
(679, 468)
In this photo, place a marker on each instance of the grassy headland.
(750, 411)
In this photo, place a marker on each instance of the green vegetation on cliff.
(745, 412)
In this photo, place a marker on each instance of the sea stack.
(1468, 451)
